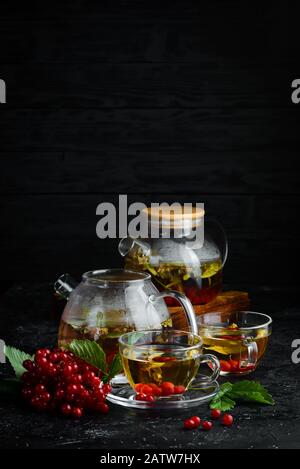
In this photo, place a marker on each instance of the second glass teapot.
(109, 303)
(174, 260)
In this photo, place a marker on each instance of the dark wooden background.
(187, 101)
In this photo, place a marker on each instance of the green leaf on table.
(251, 391)
(221, 401)
(224, 389)
(89, 351)
(16, 358)
(224, 403)
(247, 391)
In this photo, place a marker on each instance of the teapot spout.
(128, 244)
(64, 286)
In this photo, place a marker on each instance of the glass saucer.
(125, 396)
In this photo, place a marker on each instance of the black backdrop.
(187, 101)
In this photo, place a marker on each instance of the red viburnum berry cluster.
(148, 392)
(58, 381)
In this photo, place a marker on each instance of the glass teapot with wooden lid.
(109, 303)
(181, 256)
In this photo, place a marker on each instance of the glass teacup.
(163, 363)
(239, 339)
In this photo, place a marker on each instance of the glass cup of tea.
(238, 339)
(162, 364)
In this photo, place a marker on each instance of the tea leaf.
(89, 351)
(16, 358)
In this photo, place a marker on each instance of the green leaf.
(89, 351)
(10, 386)
(251, 391)
(224, 403)
(251, 396)
(16, 358)
(224, 389)
(116, 366)
(221, 401)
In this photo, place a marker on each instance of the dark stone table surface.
(28, 320)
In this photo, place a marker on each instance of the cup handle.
(185, 303)
(252, 351)
(207, 358)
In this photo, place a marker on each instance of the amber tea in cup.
(239, 339)
(163, 363)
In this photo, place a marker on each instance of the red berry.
(27, 377)
(196, 420)
(66, 409)
(86, 367)
(167, 388)
(179, 389)
(77, 412)
(53, 357)
(40, 388)
(42, 362)
(234, 365)
(63, 356)
(72, 388)
(77, 379)
(146, 389)
(95, 381)
(140, 397)
(215, 413)
(84, 394)
(67, 371)
(106, 388)
(98, 394)
(138, 387)
(70, 397)
(103, 408)
(29, 365)
(227, 420)
(225, 366)
(149, 398)
(156, 390)
(88, 377)
(27, 393)
(42, 353)
(206, 425)
(189, 424)
(59, 394)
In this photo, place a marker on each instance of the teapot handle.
(185, 303)
(224, 238)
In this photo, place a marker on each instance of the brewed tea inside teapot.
(109, 303)
(174, 259)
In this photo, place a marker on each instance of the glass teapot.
(174, 259)
(109, 303)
